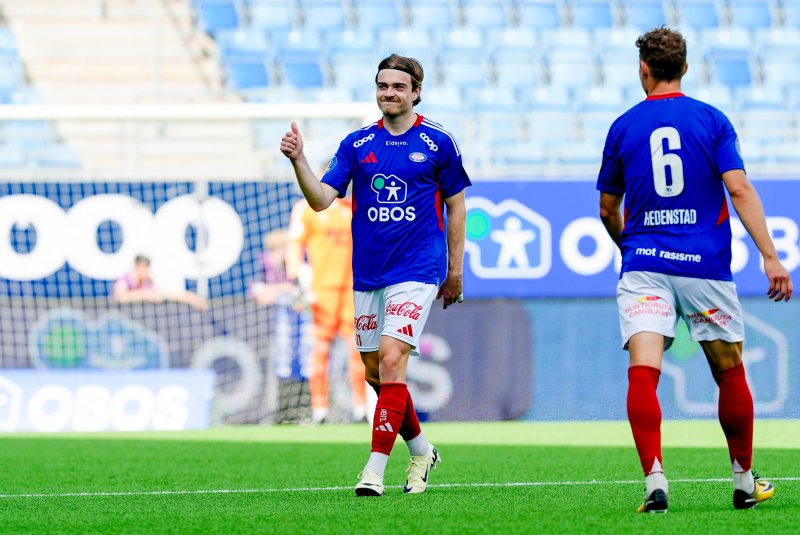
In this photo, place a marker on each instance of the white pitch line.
(330, 489)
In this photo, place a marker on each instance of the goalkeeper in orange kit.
(326, 240)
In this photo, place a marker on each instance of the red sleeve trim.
(419, 120)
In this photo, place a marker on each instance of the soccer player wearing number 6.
(406, 171)
(671, 158)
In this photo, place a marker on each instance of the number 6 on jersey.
(661, 161)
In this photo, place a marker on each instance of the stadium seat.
(594, 124)
(378, 14)
(781, 72)
(698, 14)
(303, 73)
(575, 38)
(299, 42)
(352, 42)
(431, 14)
(718, 95)
(215, 15)
(242, 43)
(524, 154)
(588, 152)
(462, 41)
(730, 67)
(539, 13)
(441, 99)
(272, 16)
(324, 15)
(355, 76)
(519, 74)
(465, 72)
(592, 14)
(730, 37)
(645, 14)
(751, 13)
(491, 100)
(600, 98)
(486, 14)
(246, 73)
(763, 97)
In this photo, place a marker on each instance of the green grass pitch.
(495, 478)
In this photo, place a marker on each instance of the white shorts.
(399, 311)
(653, 302)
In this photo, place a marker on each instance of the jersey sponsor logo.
(390, 190)
(649, 305)
(408, 309)
(417, 157)
(391, 143)
(678, 216)
(714, 316)
(364, 140)
(429, 141)
(366, 323)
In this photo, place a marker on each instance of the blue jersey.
(666, 155)
(399, 186)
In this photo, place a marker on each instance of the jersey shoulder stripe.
(436, 126)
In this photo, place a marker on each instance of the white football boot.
(419, 469)
(371, 484)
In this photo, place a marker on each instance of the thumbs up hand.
(292, 143)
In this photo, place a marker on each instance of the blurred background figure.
(325, 240)
(138, 285)
(291, 337)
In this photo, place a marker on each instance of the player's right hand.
(292, 143)
(780, 282)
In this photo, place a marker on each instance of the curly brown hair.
(664, 51)
(410, 66)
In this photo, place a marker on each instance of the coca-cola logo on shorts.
(366, 323)
(405, 310)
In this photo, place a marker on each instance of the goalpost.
(213, 235)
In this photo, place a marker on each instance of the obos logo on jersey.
(506, 240)
(390, 190)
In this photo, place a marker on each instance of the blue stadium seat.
(243, 43)
(299, 42)
(781, 72)
(246, 73)
(587, 152)
(465, 72)
(698, 14)
(645, 14)
(491, 100)
(215, 15)
(600, 98)
(569, 73)
(378, 14)
(441, 99)
(731, 37)
(574, 38)
(486, 14)
(464, 40)
(751, 13)
(521, 74)
(431, 14)
(731, 71)
(303, 73)
(763, 97)
(352, 42)
(717, 94)
(524, 154)
(324, 14)
(539, 13)
(276, 15)
(786, 153)
(356, 77)
(592, 14)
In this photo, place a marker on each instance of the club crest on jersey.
(417, 157)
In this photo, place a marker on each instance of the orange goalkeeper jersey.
(328, 242)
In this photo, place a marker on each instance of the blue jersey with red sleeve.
(666, 155)
(399, 186)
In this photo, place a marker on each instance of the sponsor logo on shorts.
(404, 310)
(417, 157)
(649, 305)
(712, 315)
(366, 323)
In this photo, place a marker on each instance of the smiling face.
(394, 93)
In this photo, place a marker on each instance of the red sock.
(410, 428)
(736, 416)
(644, 414)
(389, 414)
